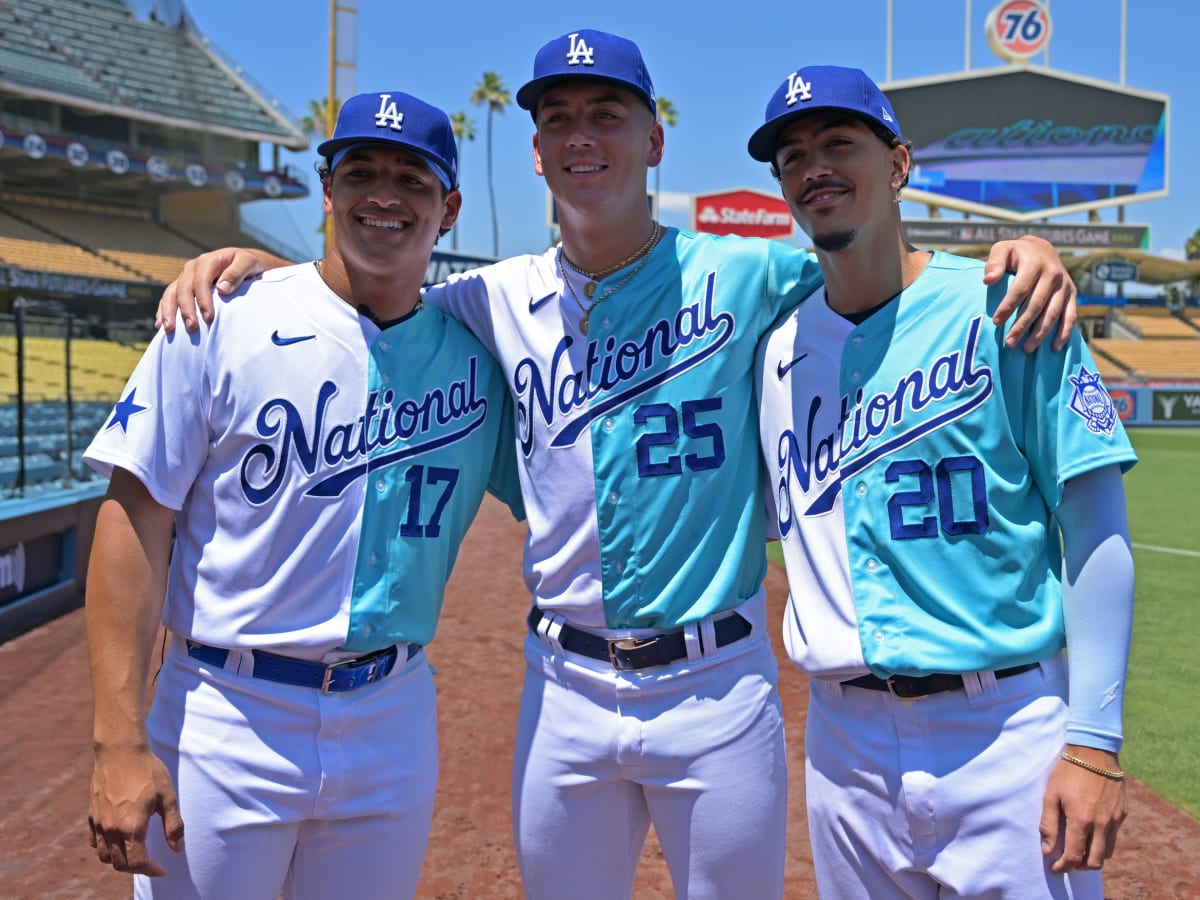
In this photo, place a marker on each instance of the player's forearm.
(126, 583)
(1098, 589)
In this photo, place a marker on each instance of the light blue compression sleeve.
(1097, 604)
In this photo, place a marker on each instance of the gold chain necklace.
(589, 289)
(587, 311)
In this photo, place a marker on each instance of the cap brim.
(764, 142)
(527, 96)
(329, 149)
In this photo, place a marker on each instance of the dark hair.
(889, 138)
(323, 171)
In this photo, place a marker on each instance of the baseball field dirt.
(45, 759)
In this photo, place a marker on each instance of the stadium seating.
(1159, 359)
(1156, 322)
(99, 369)
(114, 245)
(64, 258)
(98, 49)
(51, 462)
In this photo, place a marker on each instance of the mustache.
(825, 184)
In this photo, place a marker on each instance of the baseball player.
(319, 451)
(919, 472)
(650, 686)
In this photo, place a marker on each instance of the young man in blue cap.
(919, 473)
(650, 687)
(294, 722)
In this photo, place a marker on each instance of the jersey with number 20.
(915, 464)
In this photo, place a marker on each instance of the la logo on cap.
(580, 52)
(798, 89)
(388, 114)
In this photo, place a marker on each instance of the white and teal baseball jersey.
(324, 471)
(915, 465)
(638, 450)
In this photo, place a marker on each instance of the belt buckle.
(628, 644)
(345, 664)
(891, 686)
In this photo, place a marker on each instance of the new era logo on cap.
(394, 117)
(821, 88)
(586, 53)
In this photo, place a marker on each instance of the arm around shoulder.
(1041, 289)
(190, 295)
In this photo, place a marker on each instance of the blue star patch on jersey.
(1091, 402)
(124, 410)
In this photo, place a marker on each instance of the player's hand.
(130, 785)
(1041, 288)
(191, 293)
(1082, 812)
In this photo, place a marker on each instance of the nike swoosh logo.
(285, 341)
(535, 305)
(783, 370)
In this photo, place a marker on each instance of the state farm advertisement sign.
(746, 212)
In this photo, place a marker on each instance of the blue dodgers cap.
(821, 87)
(394, 117)
(588, 54)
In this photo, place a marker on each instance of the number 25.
(669, 436)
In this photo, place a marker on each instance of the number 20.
(923, 495)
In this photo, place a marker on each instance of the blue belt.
(335, 678)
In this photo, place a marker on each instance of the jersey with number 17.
(324, 471)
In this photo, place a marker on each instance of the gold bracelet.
(1115, 775)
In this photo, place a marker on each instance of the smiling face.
(593, 145)
(839, 179)
(386, 202)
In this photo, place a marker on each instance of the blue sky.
(718, 63)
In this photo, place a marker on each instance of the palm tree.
(464, 130)
(492, 93)
(668, 115)
(318, 122)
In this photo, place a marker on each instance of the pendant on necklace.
(583, 324)
(589, 290)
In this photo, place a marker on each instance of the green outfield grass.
(1162, 703)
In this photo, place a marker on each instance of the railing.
(46, 415)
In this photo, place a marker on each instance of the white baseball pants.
(939, 797)
(696, 748)
(282, 787)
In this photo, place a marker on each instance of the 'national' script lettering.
(814, 460)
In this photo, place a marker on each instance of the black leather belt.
(335, 678)
(640, 652)
(909, 687)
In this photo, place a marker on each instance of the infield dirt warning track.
(45, 757)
